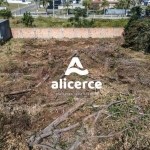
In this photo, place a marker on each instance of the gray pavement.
(21, 11)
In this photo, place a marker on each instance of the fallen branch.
(19, 92)
(64, 116)
(49, 146)
(57, 131)
(43, 80)
(90, 116)
(86, 136)
(119, 43)
(77, 143)
(109, 135)
(49, 129)
(67, 128)
(75, 54)
(114, 103)
(57, 103)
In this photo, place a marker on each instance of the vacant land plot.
(32, 114)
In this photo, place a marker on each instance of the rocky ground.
(34, 116)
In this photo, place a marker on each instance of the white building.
(146, 2)
(19, 1)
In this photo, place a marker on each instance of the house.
(19, 1)
(111, 2)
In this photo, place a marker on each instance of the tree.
(3, 3)
(87, 4)
(136, 11)
(123, 4)
(126, 4)
(5, 13)
(148, 10)
(78, 12)
(137, 31)
(67, 4)
(104, 4)
(77, 21)
(27, 19)
(45, 3)
(94, 6)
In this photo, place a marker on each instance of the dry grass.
(16, 6)
(125, 77)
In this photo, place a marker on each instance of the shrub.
(27, 19)
(148, 10)
(1, 42)
(5, 13)
(77, 22)
(137, 32)
(78, 12)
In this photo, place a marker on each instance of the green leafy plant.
(137, 31)
(77, 21)
(4, 3)
(104, 4)
(148, 10)
(5, 13)
(87, 4)
(67, 4)
(27, 19)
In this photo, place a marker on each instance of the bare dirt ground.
(34, 116)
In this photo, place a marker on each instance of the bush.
(137, 32)
(137, 35)
(27, 19)
(77, 22)
(78, 12)
(1, 42)
(5, 13)
(148, 10)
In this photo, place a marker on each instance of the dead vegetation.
(33, 116)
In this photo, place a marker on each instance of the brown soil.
(125, 76)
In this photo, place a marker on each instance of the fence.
(48, 33)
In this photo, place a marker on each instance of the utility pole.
(19, 9)
(53, 8)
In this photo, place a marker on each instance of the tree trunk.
(104, 10)
(87, 11)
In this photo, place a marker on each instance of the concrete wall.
(5, 31)
(66, 32)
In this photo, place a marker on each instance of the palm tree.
(87, 4)
(3, 2)
(132, 3)
(104, 4)
(124, 4)
(128, 3)
(45, 3)
(67, 4)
